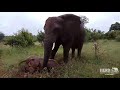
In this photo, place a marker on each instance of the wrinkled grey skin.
(66, 30)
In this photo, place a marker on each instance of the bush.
(117, 38)
(23, 39)
(9, 41)
(1, 36)
(112, 34)
(88, 35)
(92, 34)
(40, 36)
(35, 38)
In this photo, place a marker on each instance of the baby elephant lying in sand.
(34, 64)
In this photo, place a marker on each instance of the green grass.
(86, 67)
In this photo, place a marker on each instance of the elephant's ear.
(44, 26)
(61, 20)
(47, 23)
(57, 28)
(59, 23)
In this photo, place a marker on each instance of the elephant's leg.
(66, 50)
(49, 69)
(54, 50)
(79, 50)
(79, 53)
(73, 52)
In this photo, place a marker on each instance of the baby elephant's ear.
(32, 59)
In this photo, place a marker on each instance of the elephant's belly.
(76, 43)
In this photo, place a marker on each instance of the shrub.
(23, 38)
(92, 34)
(88, 36)
(40, 36)
(112, 34)
(118, 38)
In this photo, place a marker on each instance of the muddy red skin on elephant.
(66, 30)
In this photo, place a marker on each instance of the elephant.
(66, 30)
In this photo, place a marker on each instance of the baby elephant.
(34, 64)
(31, 65)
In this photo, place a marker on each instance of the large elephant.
(66, 30)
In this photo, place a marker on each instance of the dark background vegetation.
(24, 38)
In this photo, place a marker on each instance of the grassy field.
(86, 67)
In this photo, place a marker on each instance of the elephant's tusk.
(53, 46)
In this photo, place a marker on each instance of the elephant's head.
(53, 27)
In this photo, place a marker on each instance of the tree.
(115, 26)
(84, 19)
(1, 36)
(40, 36)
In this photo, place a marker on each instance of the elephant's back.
(70, 17)
(73, 28)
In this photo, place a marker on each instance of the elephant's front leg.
(54, 50)
(66, 50)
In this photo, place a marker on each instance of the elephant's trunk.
(47, 51)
